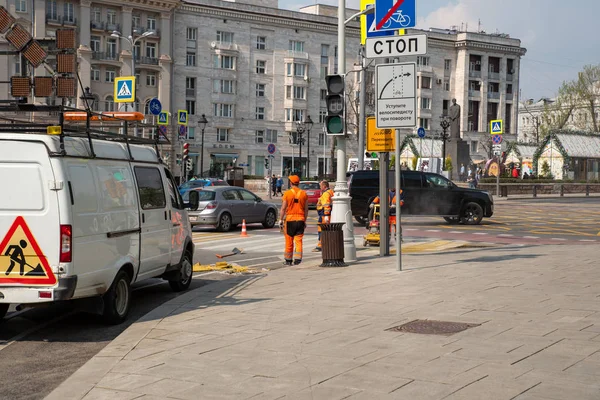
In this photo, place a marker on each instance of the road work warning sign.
(21, 259)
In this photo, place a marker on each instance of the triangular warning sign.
(162, 117)
(21, 259)
(182, 117)
(496, 127)
(124, 91)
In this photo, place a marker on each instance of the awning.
(224, 155)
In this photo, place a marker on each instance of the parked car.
(313, 191)
(200, 183)
(226, 206)
(424, 193)
(88, 224)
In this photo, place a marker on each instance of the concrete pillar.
(126, 30)
(84, 56)
(126, 68)
(39, 23)
(165, 35)
(84, 22)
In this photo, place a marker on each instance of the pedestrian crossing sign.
(182, 117)
(163, 118)
(496, 127)
(21, 259)
(125, 89)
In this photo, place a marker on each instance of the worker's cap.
(294, 179)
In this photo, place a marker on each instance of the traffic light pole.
(341, 211)
(362, 111)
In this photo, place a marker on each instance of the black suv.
(424, 193)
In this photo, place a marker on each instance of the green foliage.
(545, 172)
(448, 164)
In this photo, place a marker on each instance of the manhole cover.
(431, 327)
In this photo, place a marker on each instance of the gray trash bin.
(332, 244)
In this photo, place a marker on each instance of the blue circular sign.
(155, 106)
(497, 139)
(271, 148)
(421, 132)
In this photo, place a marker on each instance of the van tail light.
(66, 243)
(211, 206)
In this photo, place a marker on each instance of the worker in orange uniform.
(294, 210)
(392, 203)
(324, 208)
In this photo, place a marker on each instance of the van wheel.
(270, 218)
(117, 300)
(3, 309)
(224, 223)
(452, 220)
(472, 214)
(185, 274)
(361, 219)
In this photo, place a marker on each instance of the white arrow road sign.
(394, 46)
(396, 95)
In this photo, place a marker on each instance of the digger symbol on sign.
(17, 257)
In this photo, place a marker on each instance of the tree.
(448, 164)
(556, 114)
(587, 90)
(546, 173)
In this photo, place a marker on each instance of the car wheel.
(117, 300)
(3, 309)
(452, 220)
(472, 214)
(362, 220)
(270, 218)
(224, 223)
(184, 278)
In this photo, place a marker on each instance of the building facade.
(254, 71)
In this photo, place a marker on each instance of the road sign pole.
(362, 112)
(398, 204)
(498, 177)
(384, 194)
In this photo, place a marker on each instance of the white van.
(83, 218)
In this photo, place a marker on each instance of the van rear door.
(29, 216)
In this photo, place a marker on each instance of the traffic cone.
(244, 233)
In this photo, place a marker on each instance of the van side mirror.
(194, 200)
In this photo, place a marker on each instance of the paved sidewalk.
(319, 333)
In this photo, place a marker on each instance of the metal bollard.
(587, 190)
(534, 191)
(332, 244)
(562, 190)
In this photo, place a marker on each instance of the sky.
(560, 36)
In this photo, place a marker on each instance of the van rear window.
(22, 187)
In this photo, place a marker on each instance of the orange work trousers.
(294, 233)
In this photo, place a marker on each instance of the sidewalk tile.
(107, 394)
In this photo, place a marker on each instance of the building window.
(425, 82)
(191, 35)
(151, 50)
(190, 59)
(260, 90)
(111, 16)
(223, 86)
(95, 43)
(322, 115)
(324, 71)
(222, 135)
(295, 92)
(447, 65)
(95, 74)
(136, 22)
(69, 13)
(137, 51)
(223, 110)
(426, 103)
(111, 48)
(323, 94)
(296, 45)
(51, 10)
(474, 146)
(260, 113)
(261, 66)
(190, 83)
(424, 123)
(191, 133)
(259, 136)
(151, 24)
(110, 75)
(151, 79)
(271, 135)
(224, 62)
(296, 69)
(21, 6)
(325, 54)
(190, 106)
(422, 60)
(225, 37)
(447, 86)
(109, 104)
(322, 139)
(261, 42)
(292, 114)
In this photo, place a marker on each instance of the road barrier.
(535, 189)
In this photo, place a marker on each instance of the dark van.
(425, 193)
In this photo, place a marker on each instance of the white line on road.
(505, 235)
(455, 232)
(586, 240)
(558, 239)
(479, 233)
(531, 237)
(432, 230)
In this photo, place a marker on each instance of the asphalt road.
(40, 348)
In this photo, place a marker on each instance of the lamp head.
(146, 34)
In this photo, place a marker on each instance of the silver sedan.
(226, 206)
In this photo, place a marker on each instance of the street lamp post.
(309, 124)
(202, 122)
(300, 127)
(445, 124)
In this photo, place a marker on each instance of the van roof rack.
(82, 128)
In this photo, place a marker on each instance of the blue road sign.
(155, 106)
(497, 139)
(271, 148)
(395, 14)
(496, 127)
(182, 117)
(162, 133)
(163, 118)
(124, 89)
(182, 130)
(421, 132)
(371, 31)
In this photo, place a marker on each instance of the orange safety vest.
(296, 199)
(324, 203)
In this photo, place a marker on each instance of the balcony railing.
(509, 77)
(109, 26)
(494, 75)
(226, 46)
(147, 60)
(105, 55)
(140, 30)
(297, 54)
(493, 95)
(474, 93)
(509, 96)
(52, 18)
(190, 92)
(99, 25)
(474, 74)
(424, 68)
